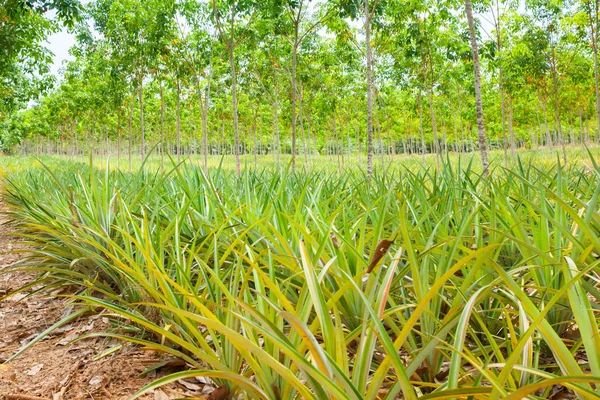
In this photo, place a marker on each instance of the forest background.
(336, 77)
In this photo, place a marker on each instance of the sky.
(59, 44)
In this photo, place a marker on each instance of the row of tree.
(300, 77)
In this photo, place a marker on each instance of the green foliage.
(422, 65)
(24, 61)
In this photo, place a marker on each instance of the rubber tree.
(481, 137)
(368, 12)
(304, 19)
(268, 60)
(196, 51)
(233, 20)
(591, 9)
(561, 41)
(136, 34)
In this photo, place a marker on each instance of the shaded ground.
(57, 368)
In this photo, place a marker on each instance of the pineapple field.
(420, 282)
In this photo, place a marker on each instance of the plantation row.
(260, 282)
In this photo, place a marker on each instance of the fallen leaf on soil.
(63, 329)
(24, 397)
(160, 395)
(67, 311)
(96, 380)
(34, 370)
(204, 380)
(18, 297)
(188, 385)
(559, 392)
(27, 339)
(67, 339)
(87, 327)
(208, 389)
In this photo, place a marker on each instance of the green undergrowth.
(260, 283)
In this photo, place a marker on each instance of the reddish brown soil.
(56, 368)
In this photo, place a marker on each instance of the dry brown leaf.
(33, 371)
(220, 393)
(189, 385)
(96, 380)
(379, 252)
(334, 240)
(18, 396)
(208, 389)
(160, 395)
(204, 380)
(67, 339)
(87, 327)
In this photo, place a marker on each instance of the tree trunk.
(445, 139)
(301, 116)
(141, 100)
(546, 126)
(205, 135)
(503, 114)
(455, 126)
(458, 138)
(311, 138)
(255, 137)
(422, 131)
(537, 116)
(205, 115)
(74, 135)
(92, 135)
(436, 145)
(276, 125)
(178, 118)
(593, 15)
(335, 141)
(234, 94)
(478, 103)
(130, 135)
(106, 144)
(434, 130)
(204, 111)
(221, 150)
(597, 88)
(367, 11)
(162, 126)
(294, 92)
(235, 112)
(557, 107)
(583, 138)
(501, 87)
(571, 130)
(119, 138)
(379, 139)
(511, 132)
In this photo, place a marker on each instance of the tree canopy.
(301, 77)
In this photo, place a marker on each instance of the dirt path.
(56, 368)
